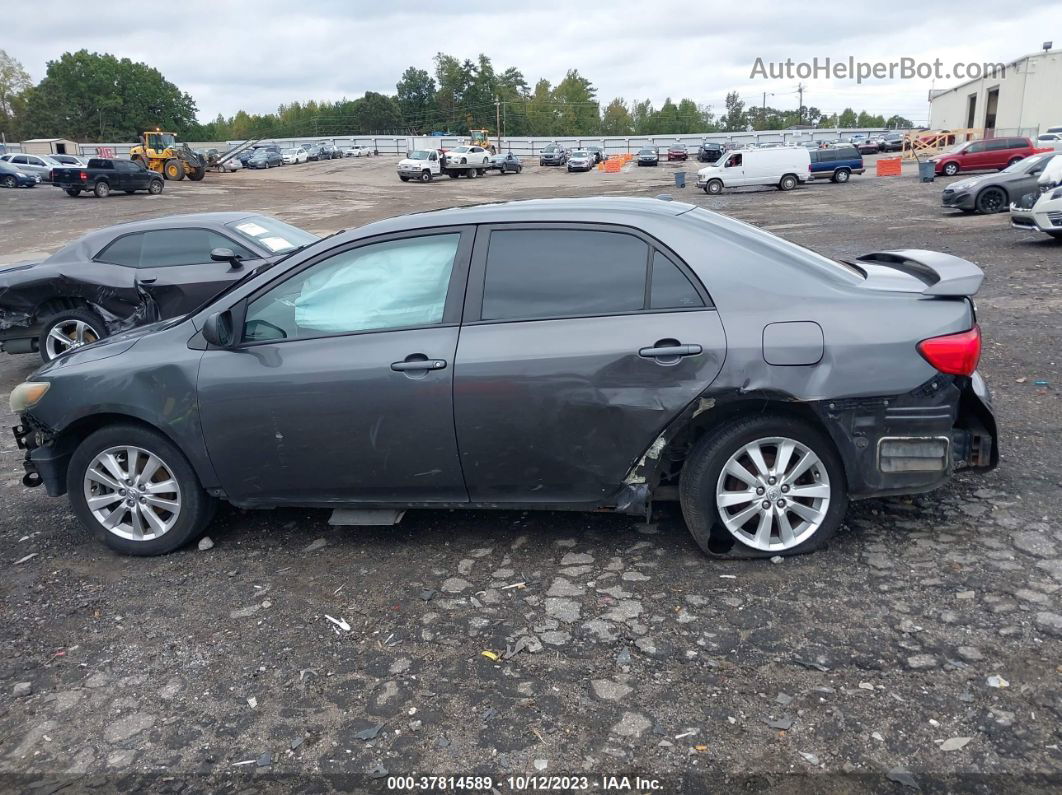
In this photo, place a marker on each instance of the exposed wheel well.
(62, 304)
(708, 417)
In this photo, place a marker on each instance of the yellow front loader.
(159, 151)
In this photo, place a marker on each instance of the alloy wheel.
(67, 335)
(773, 494)
(132, 493)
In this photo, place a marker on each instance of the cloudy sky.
(257, 55)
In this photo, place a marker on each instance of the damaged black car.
(133, 274)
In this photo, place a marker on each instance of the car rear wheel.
(1014, 160)
(951, 169)
(102, 190)
(714, 187)
(991, 200)
(453, 175)
(68, 330)
(841, 175)
(73, 191)
(472, 173)
(763, 486)
(135, 491)
(403, 178)
(788, 182)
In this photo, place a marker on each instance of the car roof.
(601, 210)
(87, 246)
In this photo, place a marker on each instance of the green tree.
(14, 83)
(416, 99)
(89, 96)
(643, 114)
(735, 118)
(847, 118)
(376, 113)
(616, 120)
(897, 122)
(576, 105)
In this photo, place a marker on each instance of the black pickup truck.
(103, 175)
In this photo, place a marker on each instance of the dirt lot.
(926, 620)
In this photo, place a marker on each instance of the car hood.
(108, 346)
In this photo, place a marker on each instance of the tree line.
(98, 97)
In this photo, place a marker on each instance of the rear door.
(580, 343)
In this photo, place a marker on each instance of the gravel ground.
(922, 649)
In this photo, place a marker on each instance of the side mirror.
(217, 330)
(226, 255)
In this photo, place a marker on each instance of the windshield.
(420, 154)
(274, 236)
(290, 151)
(1021, 166)
(580, 153)
(957, 148)
(550, 148)
(646, 151)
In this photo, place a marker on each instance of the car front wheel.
(951, 169)
(135, 491)
(763, 486)
(714, 187)
(991, 200)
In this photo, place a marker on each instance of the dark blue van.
(836, 163)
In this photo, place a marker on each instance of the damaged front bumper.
(46, 460)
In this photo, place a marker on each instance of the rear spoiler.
(942, 274)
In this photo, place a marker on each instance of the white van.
(785, 167)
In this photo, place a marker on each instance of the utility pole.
(800, 105)
(497, 119)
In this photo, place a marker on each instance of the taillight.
(955, 354)
(84, 176)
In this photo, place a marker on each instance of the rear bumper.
(913, 443)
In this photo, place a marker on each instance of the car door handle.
(152, 280)
(418, 364)
(669, 351)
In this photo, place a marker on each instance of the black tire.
(1014, 160)
(173, 169)
(403, 178)
(94, 321)
(519, 169)
(714, 187)
(155, 187)
(197, 508)
(701, 472)
(101, 189)
(75, 192)
(10, 181)
(197, 173)
(991, 200)
(842, 175)
(452, 174)
(788, 182)
(472, 173)
(425, 176)
(951, 169)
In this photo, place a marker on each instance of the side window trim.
(99, 254)
(235, 244)
(477, 273)
(455, 290)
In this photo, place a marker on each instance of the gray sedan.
(590, 354)
(993, 193)
(41, 165)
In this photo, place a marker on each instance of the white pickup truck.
(424, 165)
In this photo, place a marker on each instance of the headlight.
(27, 395)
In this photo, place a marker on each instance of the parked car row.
(145, 425)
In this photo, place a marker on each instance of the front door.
(340, 390)
(733, 170)
(176, 269)
(580, 345)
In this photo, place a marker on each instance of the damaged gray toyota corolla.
(566, 354)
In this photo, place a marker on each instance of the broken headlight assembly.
(27, 395)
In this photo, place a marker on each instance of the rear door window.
(123, 251)
(543, 273)
(670, 288)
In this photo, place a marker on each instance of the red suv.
(983, 155)
(677, 152)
